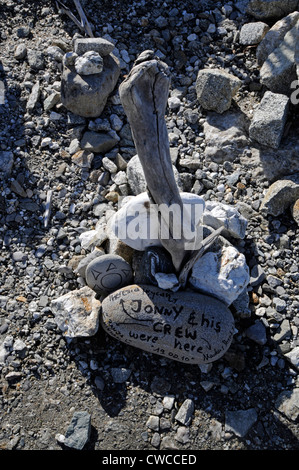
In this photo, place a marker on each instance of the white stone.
(223, 274)
(77, 313)
(167, 281)
(136, 222)
(218, 214)
(88, 64)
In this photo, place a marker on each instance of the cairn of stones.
(172, 296)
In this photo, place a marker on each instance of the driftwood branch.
(144, 94)
(83, 24)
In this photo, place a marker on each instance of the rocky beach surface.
(67, 165)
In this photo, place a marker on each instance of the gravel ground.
(248, 400)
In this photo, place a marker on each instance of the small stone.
(77, 313)
(293, 357)
(120, 374)
(253, 33)
(167, 281)
(215, 89)
(20, 52)
(198, 328)
(257, 275)
(100, 45)
(287, 403)
(33, 98)
(279, 304)
(6, 162)
(257, 333)
(108, 273)
(89, 63)
(295, 211)
(184, 415)
(269, 119)
(78, 432)
(183, 435)
(97, 142)
(239, 422)
(35, 59)
(153, 423)
(280, 196)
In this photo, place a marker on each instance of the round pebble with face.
(108, 273)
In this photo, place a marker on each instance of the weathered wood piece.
(83, 24)
(144, 95)
(187, 327)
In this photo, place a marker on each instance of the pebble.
(78, 432)
(185, 413)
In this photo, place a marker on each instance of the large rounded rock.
(184, 326)
(87, 95)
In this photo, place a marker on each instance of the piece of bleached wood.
(144, 94)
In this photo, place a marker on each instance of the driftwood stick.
(144, 95)
(84, 24)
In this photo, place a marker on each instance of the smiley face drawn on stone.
(108, 273)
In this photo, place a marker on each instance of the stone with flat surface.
(187, 327)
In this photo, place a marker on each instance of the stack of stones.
(90, 73)
(135, 294)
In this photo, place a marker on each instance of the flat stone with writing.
(187, 327)
(108, 273)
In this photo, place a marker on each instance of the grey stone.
(240, 422)
(257, 333)
(81, 268)
(293, 357)
(288, 403)
(269, 9)
(215, 89)
(6, 162)
(120, 374)
(89, 63)
(77, 313)
(33, 97)
(78, 432)
(98, 142)
(274, 36)
(217, 214)
(87, 96)
(20, 52)
(108, 273)
(253, 33)
(280, 196)
(225, 136)
(99, 45)
(267, 125)
(35, 59)
(257, 275)
(184, 415)
(198, 328)
(279, 69)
